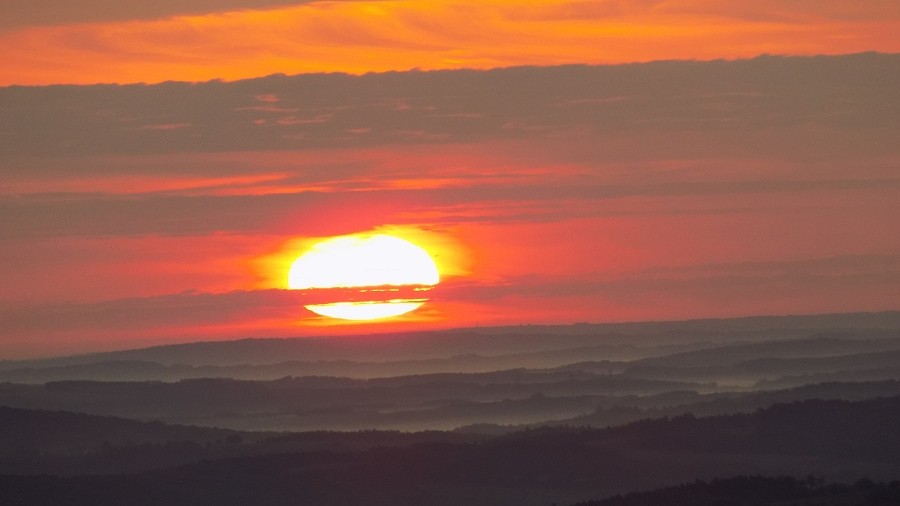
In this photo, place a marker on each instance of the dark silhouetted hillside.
(762, 491)
(63, 442)
(58, 431)
(837, 440)
(56, 442)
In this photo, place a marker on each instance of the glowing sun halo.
(366, 265)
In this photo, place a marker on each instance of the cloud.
(709, 107)
(535, 201)
(164, 311)
(21, 13)
(81, 161)
(786, 11)
(825, 284)
(366, 36)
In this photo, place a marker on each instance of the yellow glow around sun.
(364, 262)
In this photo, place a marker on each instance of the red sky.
(138, 214)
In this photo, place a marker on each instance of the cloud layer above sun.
(146, 213)
(99, 41)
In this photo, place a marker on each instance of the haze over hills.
(529, 415)
(658, 369)
(520, 346)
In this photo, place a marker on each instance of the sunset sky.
(162, 163)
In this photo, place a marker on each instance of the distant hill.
(585, 393)
(703, 361)
(823, 345)
(623, 410)
(661, 369)
(434, 401)
(484, 341)
(136, 370)
(751, 363)
(725, 351)
(855, 375)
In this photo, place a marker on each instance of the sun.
(371, 270)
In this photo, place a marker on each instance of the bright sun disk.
(361, 262)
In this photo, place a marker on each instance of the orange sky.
(43, 45)
(722, 184)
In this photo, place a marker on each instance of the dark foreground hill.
(762, 491)
(836, 440)
(58, 442)
(40, 441)
(40, 431)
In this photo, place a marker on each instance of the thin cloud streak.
(164, 214)
(29, 13)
